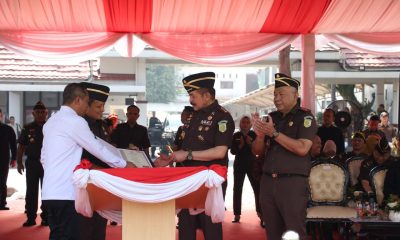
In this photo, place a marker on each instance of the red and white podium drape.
(151, 185)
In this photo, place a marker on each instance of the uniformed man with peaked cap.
(95, 227)
(30, 144)
(289, 132)
(206, 137)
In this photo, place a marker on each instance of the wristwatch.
(189, 157)
(275, 134)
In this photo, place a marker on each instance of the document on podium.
(139, 158)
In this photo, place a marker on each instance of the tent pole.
(308, 72)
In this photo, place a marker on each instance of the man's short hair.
(374, 118)
(211, 91)
(72, 91)
(330, 109)
(132, 106)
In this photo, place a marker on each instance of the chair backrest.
(353, 165)
(328, 183)
(377, 178)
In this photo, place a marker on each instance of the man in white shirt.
(66, 133)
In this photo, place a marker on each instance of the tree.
(347, 92)
(160, 83)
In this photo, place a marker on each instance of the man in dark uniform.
(7, 144)
(187, 111)
(206, 135)
(244, 165)
(131, 135)
(94, 228)
(30, 144)
(373, 128)
(330, 132)
(358, 142)
(284, 184)
(380, 156)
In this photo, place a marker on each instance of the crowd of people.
(275, 152)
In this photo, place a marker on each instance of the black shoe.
(4, 208)
(113, 223)
(236, 219)
(29, 223)
(44, 223)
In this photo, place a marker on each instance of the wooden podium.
(145, 221)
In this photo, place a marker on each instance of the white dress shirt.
(65, 134)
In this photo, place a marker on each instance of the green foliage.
(160, 83)
(393, 203)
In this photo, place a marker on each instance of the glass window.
(3, 104)
(31, 98)
(50, 99)
(226, 85)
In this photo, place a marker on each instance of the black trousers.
(63, 219)
(3, 181)
(239, 174)
(188, 225)
(284, 205)
(34, 176)
(93, 228)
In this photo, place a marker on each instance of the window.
(226, 85)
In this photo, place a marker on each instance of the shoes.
(4, 208)
(113, 223)
(236, 219)
(44, 223)
(29, 223)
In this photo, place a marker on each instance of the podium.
(146, 221)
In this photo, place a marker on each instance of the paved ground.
(17, 181)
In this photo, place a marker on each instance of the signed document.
(139, 158)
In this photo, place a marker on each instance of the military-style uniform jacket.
(207, 128)
(99, 129)
(299, 123)
(366, 167)
(32, 138)
(178, 138)
(7, 143)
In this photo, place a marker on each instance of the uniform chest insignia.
(206, 129)
(290, 123)
(200, 128)
(209, 118)
(307, 121)
(206, 122)
(32, 140)
(201, 138)
(222, 126)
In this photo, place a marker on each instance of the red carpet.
(11, 226)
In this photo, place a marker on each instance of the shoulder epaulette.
(304, 109)
(224, 110)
